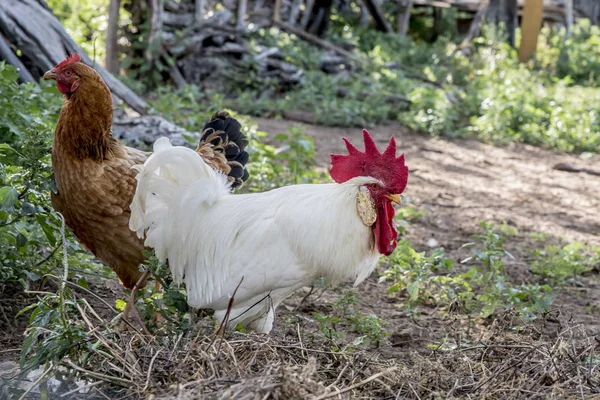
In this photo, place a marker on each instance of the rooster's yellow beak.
(395, 198)
(50, 75)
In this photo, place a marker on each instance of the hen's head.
(71, 73)
(392, 176)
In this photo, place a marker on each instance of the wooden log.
(241, 13)
(143, 131)
(381, 23)
(295, 11)
(530, 28)
(277, 11)
(34, 30)
(199, 11)
(178, 20)
(7, 55)
(112, 55)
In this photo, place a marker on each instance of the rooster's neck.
(84, 125)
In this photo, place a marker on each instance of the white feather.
(277, 241)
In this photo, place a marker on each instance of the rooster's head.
(391, 176)
(70, 73)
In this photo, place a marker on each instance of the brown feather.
(214, 154)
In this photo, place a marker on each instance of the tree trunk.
(32, 28)
(568, 18)
(156, 23)
(588, 9)
(7, 54)
(112, 55)
(404, 11)
(504, 12)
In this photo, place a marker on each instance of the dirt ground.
(458, 183)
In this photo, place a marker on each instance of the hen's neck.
(83, 128)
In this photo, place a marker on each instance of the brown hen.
(94, 174)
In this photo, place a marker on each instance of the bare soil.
(458, 183)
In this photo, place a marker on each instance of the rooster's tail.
(223, 145)
(174, 184)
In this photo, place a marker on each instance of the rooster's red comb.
(384, 166)
(73, 58)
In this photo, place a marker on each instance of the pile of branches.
(209, 43)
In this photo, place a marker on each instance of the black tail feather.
(229, 131)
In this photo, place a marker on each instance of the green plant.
(420, 275)
(344, 316)
(292, 162)
(560, 264)
(483, 289)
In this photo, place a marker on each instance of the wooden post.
(530, 28)
(112, 55)
(404, 11)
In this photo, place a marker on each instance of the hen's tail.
(222, 145)
(174, 184)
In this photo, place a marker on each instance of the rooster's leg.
(130, 308)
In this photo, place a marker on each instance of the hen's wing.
(94, 199)
(222, 146)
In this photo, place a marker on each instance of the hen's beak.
(395, 198)
(50, 74)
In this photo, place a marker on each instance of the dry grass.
(505, 363)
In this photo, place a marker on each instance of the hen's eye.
(374, 186)
(68, 73)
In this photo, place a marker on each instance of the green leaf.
(48, 231)
(8, 197)
(21, 240)
(281, 136)
(83, 283)
(120, 305)
(413, 290)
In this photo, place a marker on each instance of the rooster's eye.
(373, 186)
(68, 73)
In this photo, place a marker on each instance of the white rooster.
(273, 242)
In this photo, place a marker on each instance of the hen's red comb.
(383, 166)
(73, 58)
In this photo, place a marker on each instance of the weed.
(370, 328)
(483, 289)
(561, 264)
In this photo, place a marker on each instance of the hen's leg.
(130, 308)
